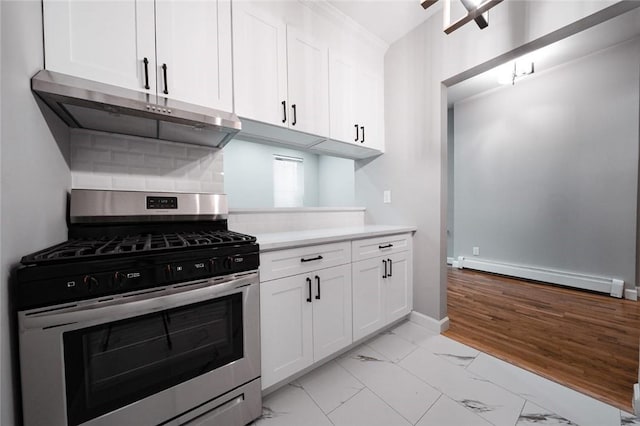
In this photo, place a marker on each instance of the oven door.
(142, 358)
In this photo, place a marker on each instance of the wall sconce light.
(509, 74)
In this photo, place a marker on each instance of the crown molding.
(329, 11)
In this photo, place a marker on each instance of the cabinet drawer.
(380, 246)
(284, 263)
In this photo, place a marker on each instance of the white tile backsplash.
(107, 161)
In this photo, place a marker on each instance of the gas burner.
(103, 247)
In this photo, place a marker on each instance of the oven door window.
(112, 365)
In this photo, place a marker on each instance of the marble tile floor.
(411, 376)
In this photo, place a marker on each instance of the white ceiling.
(390, 20)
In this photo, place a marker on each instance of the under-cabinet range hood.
(91, 105)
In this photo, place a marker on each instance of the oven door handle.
(98, 312)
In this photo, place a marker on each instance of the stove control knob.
(91, 283)
(212, 265)
(228, 262)
(118, 279)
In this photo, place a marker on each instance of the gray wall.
(35, 173)
(248, 174)
(414, 166)
(336, 182)
(546, 170)
(450, 186)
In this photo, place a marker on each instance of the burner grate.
(108, 246)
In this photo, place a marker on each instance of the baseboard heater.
(611, 286)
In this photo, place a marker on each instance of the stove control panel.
(147, 275)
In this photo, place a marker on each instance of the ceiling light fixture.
(477, 10)
(510, 73)
(472, 5)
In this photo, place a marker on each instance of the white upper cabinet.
(260, 65)
(342, 120)
(103, 41)
(281, 73)
(194, 45)
(369, 108)
(308, 83)
(116, 42)
(356, 109)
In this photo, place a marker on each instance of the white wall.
(546, 170)
(260, 221)
(35, 172)
(414, 166)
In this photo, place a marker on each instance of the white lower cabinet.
(382, 291)
(314, 301)
(368, 310)
(303, 319)
(286, 328)
(398, 288)
(332, 315)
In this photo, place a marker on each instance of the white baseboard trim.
(429, 323)
(611, 286)
(450, 260)
(636, 399)
(631, 294)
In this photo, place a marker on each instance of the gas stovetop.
(122, 241)
(84, 249)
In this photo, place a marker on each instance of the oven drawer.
(285, 263)
(380, 246)
(237, 407)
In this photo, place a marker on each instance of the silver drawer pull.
(311, 259)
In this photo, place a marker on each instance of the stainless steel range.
(147, 315)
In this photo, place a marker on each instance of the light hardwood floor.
(585, 341)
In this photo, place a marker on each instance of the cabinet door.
(308, 83)
(194, 42)
(331, 310)
(105, 41)
(398, 286)
(368, 302)
(342, 120)
(260, 64)
(286, 328)
(370, 108)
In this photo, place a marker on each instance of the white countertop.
(283, 240)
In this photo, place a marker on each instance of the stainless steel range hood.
(91, 105)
